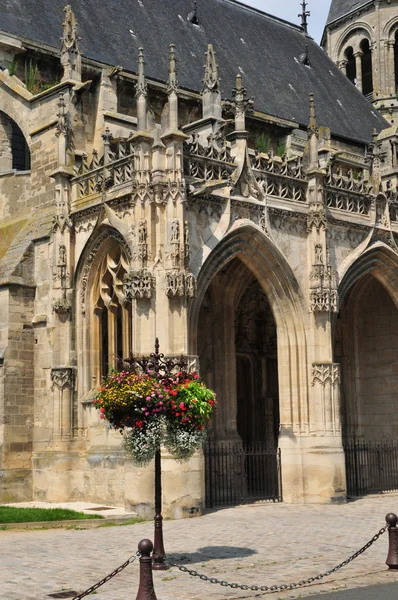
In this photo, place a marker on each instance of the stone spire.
(304, 14)
(211, 87)
(172, 90)
(141, 94)
(313, 134)
(70, 50)
(312, 124)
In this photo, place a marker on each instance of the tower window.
(351, 67)
(367, 76)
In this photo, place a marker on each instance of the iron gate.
(238, 473)
(371, 467)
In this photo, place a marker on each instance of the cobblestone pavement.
(263, 544)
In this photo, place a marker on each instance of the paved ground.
(374, 592)
(256, 545)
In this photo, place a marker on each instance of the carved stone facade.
(245, 241)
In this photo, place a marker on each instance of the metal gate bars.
(239, 473)
(371, 467)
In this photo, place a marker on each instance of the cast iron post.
(159, 553)
(392, 558)
(159, 364)
(146, 590)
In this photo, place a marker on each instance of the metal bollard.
(392, 558)
(146, 590)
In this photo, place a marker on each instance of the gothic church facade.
(143, 196)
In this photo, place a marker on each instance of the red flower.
(173, 392)
(102, 410)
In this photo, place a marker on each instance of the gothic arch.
(106, 256)
(352, 36)
(15, 152)
(365, 344)
(379, 261)
(18, 109)
(257, 253)
(390, 28)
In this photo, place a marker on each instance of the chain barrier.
(92, 589)
(279, 588)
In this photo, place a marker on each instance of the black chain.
(107, 578)
(280, 588)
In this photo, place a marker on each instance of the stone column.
(391, 67)
(343, 66)
(358, 66)
(5, 143)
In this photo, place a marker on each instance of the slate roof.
(339, 8)
(265, 50)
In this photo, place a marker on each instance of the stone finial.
(211, 80)
(312, 123)
(62, 124)
(240, 104)
(173, 82)
(141, 94)
(304, 14)
(70, 49)
(141, 89)
(211, 87)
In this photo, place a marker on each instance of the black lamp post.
(158, 363)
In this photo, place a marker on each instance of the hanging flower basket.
(150, 409)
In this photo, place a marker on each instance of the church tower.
(361, 37)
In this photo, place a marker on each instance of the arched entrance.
(366, 346)
(237, 345)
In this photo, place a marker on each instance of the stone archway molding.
(265, 261)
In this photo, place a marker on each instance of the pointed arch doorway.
(237, 347)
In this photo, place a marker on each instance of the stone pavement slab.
(264, 544)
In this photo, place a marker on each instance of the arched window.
(367, 75)
(351, 67)
(396, 60)
(14, 151)
(112, 311)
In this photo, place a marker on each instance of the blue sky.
(289, 9)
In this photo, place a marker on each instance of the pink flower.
(148, 398)
(147, 414)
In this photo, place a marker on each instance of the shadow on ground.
(211, 553)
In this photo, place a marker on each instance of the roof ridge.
(265, 14)
(360, 4)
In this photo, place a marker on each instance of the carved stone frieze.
(138, 285)
(316, 218)
(247, 210)
(190, 285)
(324, 300)
(180, 283)
(325, 374)
(62, 307)
(62, 377)
(175, 284)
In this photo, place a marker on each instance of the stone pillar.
(358, 66)
(391, 67)
(343, 66)
(63, 379)
(5, 143)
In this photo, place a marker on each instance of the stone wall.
(377, 342)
